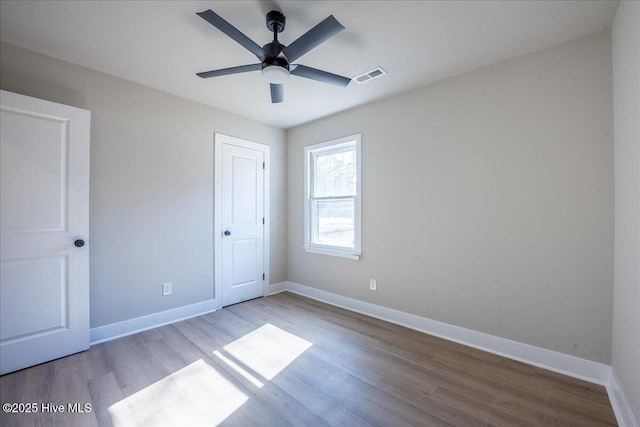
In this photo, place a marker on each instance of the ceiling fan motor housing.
(273, 50)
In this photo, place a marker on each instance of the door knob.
(79, 243)
(227, 233)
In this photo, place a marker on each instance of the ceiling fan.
(275, 58)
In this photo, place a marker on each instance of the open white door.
(241, 256)
(44, 225)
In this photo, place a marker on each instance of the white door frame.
(220, 140)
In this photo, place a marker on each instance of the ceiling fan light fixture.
(275, 74)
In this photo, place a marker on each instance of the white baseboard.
(565, 364)
(143, 323)
(619, 402)
(276, 288)
(572, 366)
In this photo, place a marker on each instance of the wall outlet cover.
(167, 288)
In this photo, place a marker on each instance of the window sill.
(343, 254)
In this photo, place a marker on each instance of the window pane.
(335, 174)
(335, 223)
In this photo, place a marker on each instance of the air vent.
(370, 75)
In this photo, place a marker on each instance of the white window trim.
(356, 252)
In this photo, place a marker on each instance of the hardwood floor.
(287, 360)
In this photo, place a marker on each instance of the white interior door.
(44, 216)
(241, 213)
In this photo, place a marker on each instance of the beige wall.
(151, 184)
(487, 197)
(487, 200)
(626, 303)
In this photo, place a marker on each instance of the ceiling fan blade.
(277, 93)
(319, 75)
(231, 70)
(217, 21)
(312, 38)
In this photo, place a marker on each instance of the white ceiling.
(162, 44)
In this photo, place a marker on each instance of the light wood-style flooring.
(288, 360)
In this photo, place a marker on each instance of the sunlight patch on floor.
(233, 365)
(196, 395)
(267, 350)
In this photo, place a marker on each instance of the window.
(332, 197)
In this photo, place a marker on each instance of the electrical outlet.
(373, 284)
(166, 288)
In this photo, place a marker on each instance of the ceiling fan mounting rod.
(276, 22)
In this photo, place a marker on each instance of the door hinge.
(262, 165)
(263, 221)
(263, 276)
